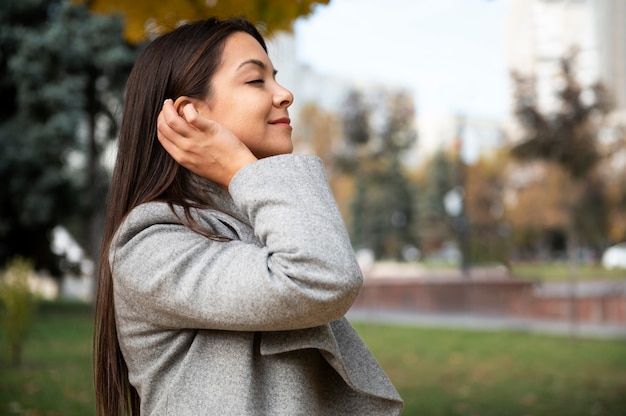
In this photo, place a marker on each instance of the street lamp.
(454, 206)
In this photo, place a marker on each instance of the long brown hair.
(178, 63)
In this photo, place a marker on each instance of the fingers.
(170, 123)
(196, 120)
(165, 131)
(175, 132)
(187, 124)
(189, 113)
(201, 145)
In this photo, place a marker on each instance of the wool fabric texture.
(254, 325)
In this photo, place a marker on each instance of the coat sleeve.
(302, 274)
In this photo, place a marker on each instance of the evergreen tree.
(61, 75)
(435, 224)
(382, 209)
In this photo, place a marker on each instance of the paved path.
(582, 288)
(489, 323)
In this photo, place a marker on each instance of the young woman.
(226, 269)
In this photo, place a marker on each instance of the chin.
(260, 154)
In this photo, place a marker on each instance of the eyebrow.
(256, 62)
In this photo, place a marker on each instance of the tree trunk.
(92, 191)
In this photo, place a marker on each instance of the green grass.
(453, 372)
(55, 378)
(548, 271)
(560, 271)
(437, 371)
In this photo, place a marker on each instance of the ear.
(199, 105)
(182, 101)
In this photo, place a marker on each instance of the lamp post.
(454, 201)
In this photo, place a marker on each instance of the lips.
(282, 120)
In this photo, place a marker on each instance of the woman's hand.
(201, 145)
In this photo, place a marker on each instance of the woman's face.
(247, 100)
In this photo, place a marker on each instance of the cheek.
(248, 130)
(244, 117)
(249, 119)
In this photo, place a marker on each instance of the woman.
(226, 268)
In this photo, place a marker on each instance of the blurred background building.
(541, 32)
(538, 32)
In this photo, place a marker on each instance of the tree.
(538, 210)
(382, 209)
(566, 138)
(615, 186)
(144, 17)
(484, 201)
(60, 78)
(435, 180)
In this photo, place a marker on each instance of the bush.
(18, 305)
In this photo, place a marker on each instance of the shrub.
(18, 305)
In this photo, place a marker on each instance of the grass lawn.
(452, 372)
(55, 378)
(553, 271)
(556, 271)
(438, 372)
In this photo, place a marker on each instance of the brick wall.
(497, 297)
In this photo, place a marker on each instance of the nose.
(282, 97)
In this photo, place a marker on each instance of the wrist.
(238, 166)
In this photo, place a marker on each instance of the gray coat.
(254, 325)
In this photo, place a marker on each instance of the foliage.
(18, 306)
(355, 122)
(383, 211)
(568, 136)
(615, 186)
(483, 205)
(542, 198)
(484, 201)
(61, 75)
(563, 147)
(590, 214)
(617, 213)
(144, 17)
(435, 180)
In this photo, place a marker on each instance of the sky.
(450, 53)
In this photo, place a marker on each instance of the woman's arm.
(300, 271)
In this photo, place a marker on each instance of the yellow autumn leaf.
(145, 17)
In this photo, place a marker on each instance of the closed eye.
(256, 81)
